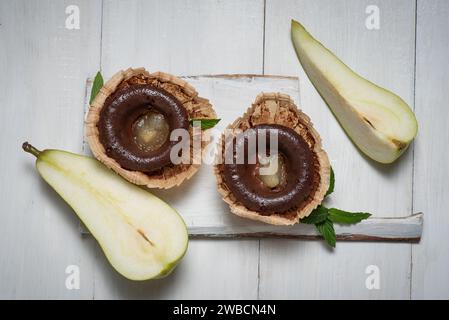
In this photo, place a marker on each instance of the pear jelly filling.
(272, 170)
(150, 131)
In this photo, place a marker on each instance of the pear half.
(141, 236)
(379, 122)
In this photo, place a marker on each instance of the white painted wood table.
(44, 66)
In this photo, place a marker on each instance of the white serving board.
(199, 203)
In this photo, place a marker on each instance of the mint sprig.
(324, 218)
(205, 123)
(96, 86)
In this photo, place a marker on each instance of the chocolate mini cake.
(130, 121)
(301, 179)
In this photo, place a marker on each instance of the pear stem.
(30, 149)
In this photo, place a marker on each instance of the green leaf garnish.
(205, 123)
(331, 183)
(345, 217)
(317, 216)
(326, 229)
(324, 219)
(96, 86)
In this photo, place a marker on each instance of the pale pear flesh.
(141, 236)
(378, 121)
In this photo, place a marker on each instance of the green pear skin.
(141, 235)
(378, 121)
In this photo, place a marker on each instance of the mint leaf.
(326, 229)
(345, 217)
(205, 123)
(324, 218)
(331, 183)
(96, 86)
(317, 216)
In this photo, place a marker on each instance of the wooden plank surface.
(291, 269)
(183, 37)
(431, 188)
(43, 70)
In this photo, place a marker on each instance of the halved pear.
(141, 235)
(379, 122)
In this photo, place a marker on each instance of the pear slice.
(141, 236)
(379, 122)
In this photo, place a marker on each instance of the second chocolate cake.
(301, 173)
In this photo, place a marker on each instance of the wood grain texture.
(183, 37)
(431, 188)
(41, 87)
(43, 70)
(187, 37)
(292, 269)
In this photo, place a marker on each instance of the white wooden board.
(198, 201)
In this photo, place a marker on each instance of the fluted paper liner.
(277, 108)
(197, 107)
